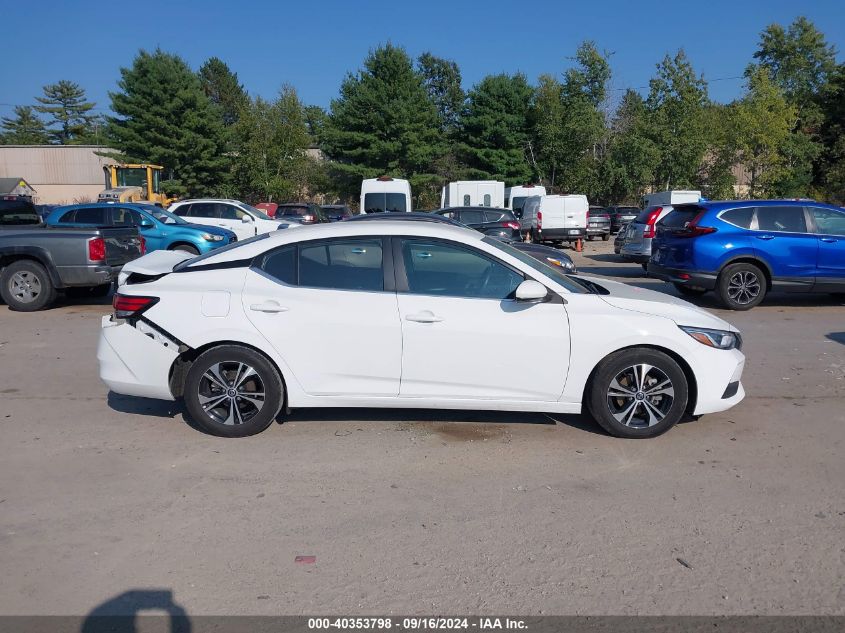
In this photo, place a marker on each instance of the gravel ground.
(425, 512)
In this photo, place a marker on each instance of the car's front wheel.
(233, 391)
(638, 393)
(741, 286)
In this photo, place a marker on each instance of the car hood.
(214, 230)
(626, 297)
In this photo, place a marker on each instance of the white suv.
(245, 220)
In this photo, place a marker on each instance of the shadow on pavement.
(119, 614)
(838, 337)
(143, 406)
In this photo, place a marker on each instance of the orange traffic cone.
(579, 247)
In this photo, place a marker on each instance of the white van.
(473, 193)
(385, 194)
(662, 198)
(554, 218)
(515, 197)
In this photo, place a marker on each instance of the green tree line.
(411, 118)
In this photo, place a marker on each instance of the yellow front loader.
(134, 183)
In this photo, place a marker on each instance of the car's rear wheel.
(233, 391)
(689, 292)
(638, 393)
(25, 286)
(605, 237)
(741, 286)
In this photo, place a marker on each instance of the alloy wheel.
(640, 396)
(25, 286)
(743, 287)
(231, 393)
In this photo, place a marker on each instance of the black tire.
(187, 248)
(604, 407)
(689, 292)
(590, 238)
(605, 237)
(25, 286)
(729, 287)
(246, 417)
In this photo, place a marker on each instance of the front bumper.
(133, 363)
(694, 279)
(724, 368)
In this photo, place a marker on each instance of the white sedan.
(407, 314)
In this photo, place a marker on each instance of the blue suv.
(743, 249)
(160, 229)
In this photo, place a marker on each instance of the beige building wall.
(60, 174)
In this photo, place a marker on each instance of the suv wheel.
(638, 393)
(233, 391)
(741, 286)
(25, 286)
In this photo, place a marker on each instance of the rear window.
(298, 210)
(499, 216)
(380, 202)
(18, 212)
(680, 216)
(739, 217)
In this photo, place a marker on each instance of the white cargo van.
(662, 198)
(385, 194)
(515, 197)
(554, 218)
(473, 193)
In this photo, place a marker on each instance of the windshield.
(18, 212)
(256, 212)
(541, 267)
(131, 177)
(165, 216)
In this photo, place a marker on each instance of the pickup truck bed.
(36, 261)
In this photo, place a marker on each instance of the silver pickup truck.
(37, 262)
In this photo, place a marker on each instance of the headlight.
(209, 237)
(720, 339)
(568, 266)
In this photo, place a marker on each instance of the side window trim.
(402, 275)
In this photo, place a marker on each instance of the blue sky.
(312, 45)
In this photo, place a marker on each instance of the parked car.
(494, 222)
(337, 212)
(545, 254)
(598, 223)
(301, 213)
(620, 216)
(37, 262)
(244, 220)
(554, 218)
(640, 233)
(423, 301)
(743, 249)
(161, 229)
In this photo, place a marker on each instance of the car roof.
(207, 200)
(469, 208)
(132, 205)
(255, 246)
(726, 204)
(402, 216)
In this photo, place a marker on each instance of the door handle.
(268, 306)
(426, 316)
(829, 240)
(765, 237)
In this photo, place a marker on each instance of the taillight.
(651, 220)
(143, 244)
(308, 219)
(539, 219)
(691, 229)
(128, 306)
(511, 225)
(97, 249)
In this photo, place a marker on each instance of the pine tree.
(495, 131)
(442, 80)
(383, 123)
(164, 117)
(223, 89)
(24, 129)
(70, 119)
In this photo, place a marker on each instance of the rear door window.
(68, 217)
(205, 210)
(281, 265)
(828, 221)
(91, 215)
(739, 217)
(343, 264)
(781, 219)
(230, 212)
(472, 216)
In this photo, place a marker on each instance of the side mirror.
(246, 219)
(146, 224)
(530, 290)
